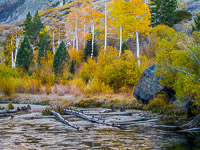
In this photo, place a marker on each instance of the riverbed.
(34, 131)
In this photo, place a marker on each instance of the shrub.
(77, 85)
(10, 106)
(7, 86)
(112, 70)
(46, 112)
(34, 86)
(95, 86)
(59, 107)
(77, 56)
(22, 85)
(61, 90)
(161, 105)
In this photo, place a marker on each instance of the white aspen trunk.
(12, 60)
(54, 49)
(92, 53)
(120, 47)
(145, 1)
(16, 50)
(12, 56)
(76, 32)
(84, 32)
(105, 26)
(138, 48)
(73, 43)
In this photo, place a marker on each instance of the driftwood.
(106, 113)
(57, 115)
(94, 120)
(193, 123)
(9, 111)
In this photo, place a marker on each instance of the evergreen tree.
(24, 55)
(37, 25)
(28, 25)
(61, 57)
(163, 12)
(64, 2)
(197, 23)
(43, 47)
(88, 49)
(124, 47)
(72, 67)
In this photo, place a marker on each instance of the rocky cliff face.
(12, 11)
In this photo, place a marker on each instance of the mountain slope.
(12, 11)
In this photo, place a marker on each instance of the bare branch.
(175, 69)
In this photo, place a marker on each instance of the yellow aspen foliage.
(88, 69)
(157, 34)
(77, 56)
(132, 16)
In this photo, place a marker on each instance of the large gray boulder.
(148, 85)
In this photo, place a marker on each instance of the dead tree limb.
(191, 130)
(193, 123)
(63, 120)
(9, 111)
(94, 120)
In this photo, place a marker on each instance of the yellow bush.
(76, 85)
(7, 86)
(34, 86)
(121, 71)
(22, 85)
(95, 86)
(88, 69)
(76, 55)
(10, 106)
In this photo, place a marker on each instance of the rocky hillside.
(12, 11)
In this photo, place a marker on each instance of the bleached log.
(57, 115)
(94, 120)
(9, 111)
(192, 123)
(191, 130)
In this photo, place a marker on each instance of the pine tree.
(124, 47)
(37, 25)
(88, 49)
(28, 25)
(64, 2)
(61, 57)
(163, 12)
(72, 67)
(24, 55)
(197, 23)
(43, 47)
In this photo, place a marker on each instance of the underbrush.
(107, 100)
(161, 105)
(7, 86)
(57, 107)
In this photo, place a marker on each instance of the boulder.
(149, 85)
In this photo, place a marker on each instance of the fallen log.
(193, 123)
(94, 120)
(191, 130)
(57, 115)
(9, 111)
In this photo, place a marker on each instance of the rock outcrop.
(149, 85)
